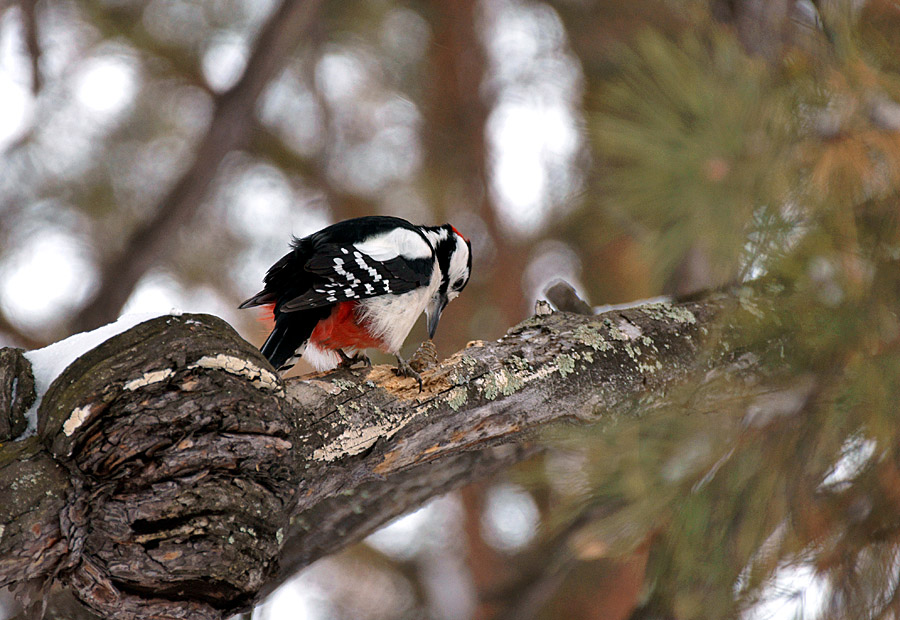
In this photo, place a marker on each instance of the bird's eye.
(458, 284)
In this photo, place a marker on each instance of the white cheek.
(452, 295)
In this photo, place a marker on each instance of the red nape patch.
(458, 233)
(268, 314)
(343, 330)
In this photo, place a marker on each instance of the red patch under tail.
(343, 329)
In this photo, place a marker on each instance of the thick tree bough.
(175, 475)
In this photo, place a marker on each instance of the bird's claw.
(403, 369)
(348, 362)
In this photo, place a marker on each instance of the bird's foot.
(348, 362)
(403, 369)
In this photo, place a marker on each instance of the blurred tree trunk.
(457, 107)
(173, 475)
(456, 158)
(488, 570)
(457, 179)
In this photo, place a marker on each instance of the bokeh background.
(158, 155)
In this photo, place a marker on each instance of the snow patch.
(48, 363)
(31, 419)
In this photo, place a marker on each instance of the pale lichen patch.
(565, 364)
(463, 368)
(259, 377)
(343, 384)
(544, 371)
(666, 311)
(520, 363)
(501, 382)
(616, 333)
(76, 419)
(149, 378)
(589, 335)
(457, 397)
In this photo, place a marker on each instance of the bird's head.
(454, 259)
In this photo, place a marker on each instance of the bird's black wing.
(354, 259)
(341, 272)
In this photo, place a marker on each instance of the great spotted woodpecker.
(360, 284)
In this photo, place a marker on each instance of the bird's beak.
(433, 312)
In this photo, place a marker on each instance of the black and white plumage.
(359, 284)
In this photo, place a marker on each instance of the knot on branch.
(16, 392)
(177, 438)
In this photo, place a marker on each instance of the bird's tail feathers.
(283, 348)
(261, 298)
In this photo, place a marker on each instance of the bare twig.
(29, 18)
(231, 127)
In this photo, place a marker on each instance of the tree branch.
(174, 475)
(30, 26)
(230, 127)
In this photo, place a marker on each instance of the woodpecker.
(360, 284)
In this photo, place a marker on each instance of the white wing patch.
(339, 269)
(401, 242)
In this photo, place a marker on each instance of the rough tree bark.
(173, 475)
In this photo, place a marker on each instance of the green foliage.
(789, 172)
(695, 134)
